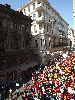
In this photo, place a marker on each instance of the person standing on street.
(17, 92)
(0, 96)
(10, 94)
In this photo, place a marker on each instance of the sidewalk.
(21, 91)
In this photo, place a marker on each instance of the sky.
(63, 7)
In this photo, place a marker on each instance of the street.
(20, 89)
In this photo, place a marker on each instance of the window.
(11, 44)
(23, 44)
(45, 42)
(47, 28)
(49, 19)
(54, 22)
(44, 26)
(34, 17)
(0, 24)
(43, 4)
(36, 43)
(27, 42)
(39, 14)
(28, 9)
(39, 2)
(2, 49)
(44, 16)
(52, 31)
(53, 42)
(40, 27)
(46, 8)
(35, 30)
(49, 42)
(60, 40)
(33, 6)
(41, 42)
(22, 29)
(24, 11)
(15, 26)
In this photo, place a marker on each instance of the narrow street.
(20, 89)
(20, 80)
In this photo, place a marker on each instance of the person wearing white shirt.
(43, 90)
(62, 89)
(10, 91)
(10, 94)
(71, 91)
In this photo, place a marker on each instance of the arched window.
(0, 24)
(41, 42)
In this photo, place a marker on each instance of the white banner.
(17, 84)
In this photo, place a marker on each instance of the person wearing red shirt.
(61, 96)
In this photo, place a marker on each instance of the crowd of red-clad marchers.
(56, 81)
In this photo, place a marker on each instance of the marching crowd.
(55, 81)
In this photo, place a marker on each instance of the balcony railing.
(61, 36)
(41, 20)
(42, 31)
(47, 32)
(59, 21)
(60, 28)
(39, 7)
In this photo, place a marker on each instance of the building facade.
(70, 37)
(74, 19)
(15, 37)
(49, 29)
(74, 14)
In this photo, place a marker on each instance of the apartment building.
(74, 14)
(48, 28)
(15, 35)
(70, 37)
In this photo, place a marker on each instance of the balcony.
(47, 32)
(65, 38)
(42, 31)
(61, 29)
(59, 21)
(61, 36)
(39, 7)
(54, 35)
(49, 23)
(40, 20)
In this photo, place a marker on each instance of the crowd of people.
(55, 81)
